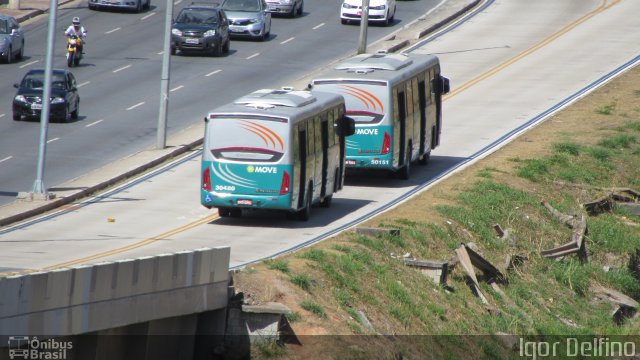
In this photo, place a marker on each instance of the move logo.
(262, 169)
(367, 131)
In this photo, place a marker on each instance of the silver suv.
(248, 18)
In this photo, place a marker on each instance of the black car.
(200, 28)
(65, 101)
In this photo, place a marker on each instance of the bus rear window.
(247, 140)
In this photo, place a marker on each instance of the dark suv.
(200, 27)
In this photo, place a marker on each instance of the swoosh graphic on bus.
(374, 117)
(224, 173)
(360, 94)
(351, 144)
(267, 135)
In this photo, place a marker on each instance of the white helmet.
(75, 21)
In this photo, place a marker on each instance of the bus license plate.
(245, 202)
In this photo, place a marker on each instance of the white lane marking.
(161, 52)
(289, 39)
(29, 63)
(177, 88)
(7, 158)
(1, 115)
(318, 26)
(94, 123)
(112, 30)
(83, 84)
(214, 72)
(52, 140)
(177, 2)
(135, 106)
(122, 68)
(147, 16)
(252, 56)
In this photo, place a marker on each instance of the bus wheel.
(305, 213)
(405, 171)
(224, 212)
(424, 159)
(326, 201)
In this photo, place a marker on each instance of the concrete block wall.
(90, 298)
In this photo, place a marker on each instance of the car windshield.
(4, 27)
(241, 5)
(36, 81)
(192, 16)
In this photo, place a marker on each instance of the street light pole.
(38, 185)
(161, 141)
(364, 25)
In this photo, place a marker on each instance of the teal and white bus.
(396, 102)
(276, 150)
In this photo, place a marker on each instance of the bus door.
(402, 114)
(422, 95)
(325, 154)
(302, 150)
(318, 156)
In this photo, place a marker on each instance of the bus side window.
(310, 139)
(396, 112)
(296, 142)
(331, 122)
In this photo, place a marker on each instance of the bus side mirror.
(206, 119)
(445, 85)
(346, 126)
(441, 85)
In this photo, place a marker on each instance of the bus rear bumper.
(266, 202)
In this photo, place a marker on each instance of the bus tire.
(424, 159)
(405, 172)
(224, 212)
(326, 201)
(305, 213)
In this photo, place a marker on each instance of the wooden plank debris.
(465, 261)
(491, 272)
(576, 245)
(633, 208)
(563, 218)
(435, 270)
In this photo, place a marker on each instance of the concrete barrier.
(106, 295)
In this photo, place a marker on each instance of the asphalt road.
(511, 65)
(119, 82)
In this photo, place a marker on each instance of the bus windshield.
(247, 139)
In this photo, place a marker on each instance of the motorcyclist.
(77, 29)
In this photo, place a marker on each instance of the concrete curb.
(54, 204)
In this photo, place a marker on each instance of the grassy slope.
(595, 142)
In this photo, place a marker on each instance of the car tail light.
(286, 184)
(206, 179)
(386, 144)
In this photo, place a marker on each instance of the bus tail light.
(206, 179)
(286, 183)
(386, 144)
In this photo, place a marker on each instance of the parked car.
(65, 101)
(248, 18)
(11, 39)
(201, 28)
(291, 8)
(380, 11)
(134, 5)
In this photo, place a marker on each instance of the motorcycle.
(73, 52)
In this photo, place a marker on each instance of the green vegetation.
(313, 308)
(608, 109)
(302, 280)
(280, 265)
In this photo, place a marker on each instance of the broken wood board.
(563, 218)
(487, 268)
(633, 208)
(435, 270)
(465, 261)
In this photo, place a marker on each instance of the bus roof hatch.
(269, 98)
(376, 62)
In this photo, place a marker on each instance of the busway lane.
(255, 237)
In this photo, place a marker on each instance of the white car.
(380, 11)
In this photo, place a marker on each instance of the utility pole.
(39, 189)
(161, 141)
(364, 25)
